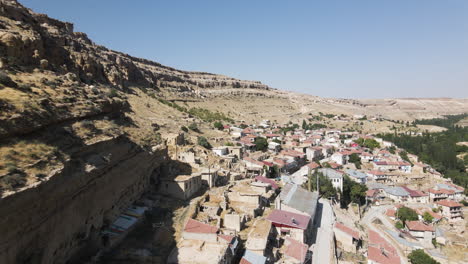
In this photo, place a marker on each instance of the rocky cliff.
(55, 219)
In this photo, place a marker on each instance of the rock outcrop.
(51, 222)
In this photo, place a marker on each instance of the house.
(415, 196)
(391, 213)
(313, 153)
(371, 195)
(380, 251)
(253, 167)
(181, 187)
(335, 176)
(397, 194)
(202, 243)
(296, 226)
(440, 194)
(348, 238)
(271, 182)
(424, 233)
(452, 191)
(220, 151)
(235, 151)
(404, 167)
(296, 252)
(274, 146)
(209, 177)
(260, 237)
(378, 175)
(339, 157)
(357, 176)
(366, 157)
(295, 199)
(451, 209)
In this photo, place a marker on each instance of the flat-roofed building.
(181, 187)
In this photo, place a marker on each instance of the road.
(378, 212)
(325, 219)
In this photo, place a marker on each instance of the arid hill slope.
(33, 45)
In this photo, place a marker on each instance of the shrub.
(418, 256)
(184, 128)
(261, 144)
(407, 214)
(218, 125)
(202, 141)
(193, 127)
(399, 225)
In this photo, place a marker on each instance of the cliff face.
(35, 40)
(52, 221)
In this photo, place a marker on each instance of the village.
(277, 194)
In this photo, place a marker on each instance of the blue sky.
(331, 48)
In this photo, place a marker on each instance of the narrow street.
(323, 243)
(376, 212)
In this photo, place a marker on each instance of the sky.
(329, 48)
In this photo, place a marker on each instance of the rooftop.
(289, 219)
(418, 226)
(194, 226)
(449, 203)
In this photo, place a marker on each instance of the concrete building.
(451, 209)
(202, 243)
(335, 176)
(295, 199)
(181, 187)
(424, 233)
(292, 225)
(260, 237)
(357, 176)
(209, 177)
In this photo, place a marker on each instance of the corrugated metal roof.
(331, 173)
(397, 191)
(299, 199)
(254, 258)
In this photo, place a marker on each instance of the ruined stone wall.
(57, 219)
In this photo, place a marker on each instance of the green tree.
(428, 217)
(202, 141)
(352, 192)
(326, 186)
(193, 127)
(418, 256)
(406, 214)
(354, 158)
(399, 225)
(261, 144)
(218, 125)
(368, 143)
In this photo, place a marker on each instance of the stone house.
(348, 238)
(451, 209)
(424, 233)
(181, 187)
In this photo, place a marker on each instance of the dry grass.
(21, 154)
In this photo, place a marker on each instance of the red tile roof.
(418, 226)
(296, 249)
(379, 255)
(284, 218)
(390, 213)
(380, 250)
(313, 165)
(266, 180)
(449, 203)
(194, 226)
(370, 193)
(413, 193)
(348, 230)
